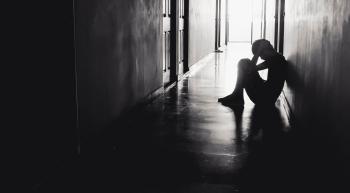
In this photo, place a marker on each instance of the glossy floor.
(187, 142)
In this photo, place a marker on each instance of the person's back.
(276, 75)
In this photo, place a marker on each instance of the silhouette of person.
(261, 92)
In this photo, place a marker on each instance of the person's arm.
(262, 66)
(255, 59)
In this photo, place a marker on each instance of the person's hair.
(260, 42)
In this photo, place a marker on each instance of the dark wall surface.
(118, 55)
(40, 104)
(317, 47)
(201, 29)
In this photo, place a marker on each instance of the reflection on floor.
(187, 142)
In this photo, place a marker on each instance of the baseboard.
(167, 88)
(153, 95)
(287, 108)
(200, 64)
(163, 89)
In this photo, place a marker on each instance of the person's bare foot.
(232, 99)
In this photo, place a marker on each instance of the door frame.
(175, 73)
(227, 22)
(186, 67)
(217, 25)
(174, 25)
(279, 25)
(166, 4)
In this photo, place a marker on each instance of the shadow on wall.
(119, 55)
(318, 94)
(294, 84)
(342, 125)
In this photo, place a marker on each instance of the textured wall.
(317, 47)
(118, 55)
(201, 29)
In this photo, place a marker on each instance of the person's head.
(263, 48)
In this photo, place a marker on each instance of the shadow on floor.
(266, 167)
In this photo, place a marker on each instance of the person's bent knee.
(245, 64)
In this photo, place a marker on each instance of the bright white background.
(240, 18)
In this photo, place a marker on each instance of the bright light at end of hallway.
(240, 18)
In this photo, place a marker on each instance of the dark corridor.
(122, 96)
(184, 141)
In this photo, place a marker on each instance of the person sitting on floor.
(261, 92)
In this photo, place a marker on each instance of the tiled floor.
(187, 142)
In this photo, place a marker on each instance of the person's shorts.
(258, 91)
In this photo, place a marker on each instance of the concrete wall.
(201, 29)
(119, 55)
(317, 47)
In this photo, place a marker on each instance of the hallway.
(185, 141)
(121, 96)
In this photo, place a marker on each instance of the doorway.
(182, 37)
(166, 41)
(279, 33)
(175, 40)
(221, 24)
(218, 25)
(240, 20)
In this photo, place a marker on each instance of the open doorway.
(240, 20)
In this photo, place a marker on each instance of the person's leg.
(246, 72)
